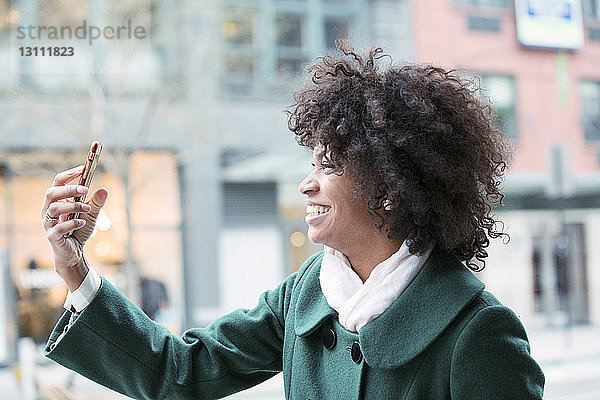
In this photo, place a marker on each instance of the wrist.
(74, 276)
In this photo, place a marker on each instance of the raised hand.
(68, 237)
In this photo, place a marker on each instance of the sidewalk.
(55, 382)
(570, 359)
(552, 345)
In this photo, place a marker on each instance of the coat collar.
(311, 307)
(440, 291)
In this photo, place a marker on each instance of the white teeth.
(316, 210)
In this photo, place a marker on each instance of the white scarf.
(356, 302)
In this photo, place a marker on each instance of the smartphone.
(89, 168)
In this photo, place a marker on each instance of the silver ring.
(49, 218)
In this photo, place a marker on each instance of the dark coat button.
(329, 339)
(356, 353)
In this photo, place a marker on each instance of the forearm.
(103, 355)
(114, 343)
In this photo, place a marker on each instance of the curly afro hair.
(421, 148)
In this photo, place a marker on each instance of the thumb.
(97, 202)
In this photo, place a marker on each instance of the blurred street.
(58, 383)
(570, 360)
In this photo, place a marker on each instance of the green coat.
(443, 338)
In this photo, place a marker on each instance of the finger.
(49, 223)
(56, 234)
(62, 178)
(56, 209)
(63, 217)
(57, 193)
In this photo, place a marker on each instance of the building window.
(266, 43)
(486, 3)
(238, 26)
(499, 92)
(290, 31)
(590, 106)
(483, 24)
(560, 273)
(239, 32)
(8, 16)
(62, 13)
(112, 56)
(335, 27)
(591, 8)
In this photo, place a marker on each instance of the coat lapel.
(439, 292)
(311, 307)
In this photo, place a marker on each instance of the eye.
(326, 163)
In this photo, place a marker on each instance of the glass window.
(290, 43)
(499, 91)
(289, 66)
(238, 65)
(335, 28)
(61, 13)
(6, 16)
(590, 106)
(9, 17)
(237, 26)
(65, 17)
(486, 3)
(138, 13)
(501, 94)
(289, 30)
(560, 268)
(111, 57)
(591, 8)
(275, 39)
(135, 58)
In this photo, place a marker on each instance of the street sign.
(555, 24)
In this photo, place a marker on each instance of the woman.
(405, 161)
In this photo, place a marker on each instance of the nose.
(308, 184)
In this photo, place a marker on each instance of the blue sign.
(550, 9)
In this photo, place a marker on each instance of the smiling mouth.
(317, 210)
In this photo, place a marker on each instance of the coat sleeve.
(115, 344)
(491, 359)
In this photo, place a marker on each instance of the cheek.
(355, 205)
(349, 213)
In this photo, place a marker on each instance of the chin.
(315, 237)
(322, 239)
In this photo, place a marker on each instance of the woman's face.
(335, 216)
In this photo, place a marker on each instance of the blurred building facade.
(201, 169)
(203, 173)
(548, 101)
